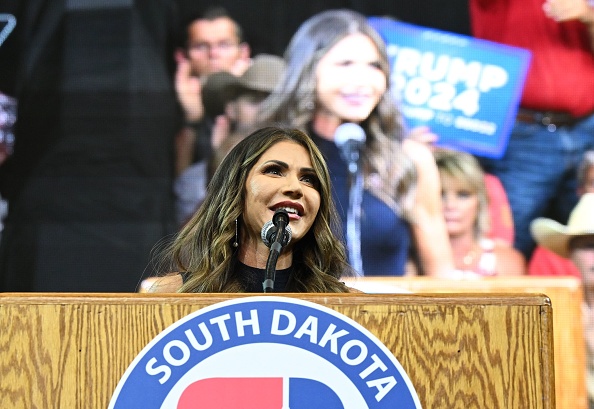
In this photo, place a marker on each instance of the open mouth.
(294, 211)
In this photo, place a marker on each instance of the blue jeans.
(539, 173)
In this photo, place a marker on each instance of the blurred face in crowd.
(460, 206)
(244, 109)
(582, 255)
(350, 82)
(283, 177)
(213, 46)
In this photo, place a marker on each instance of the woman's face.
(283, 177)
(349, 80)
(460, 206)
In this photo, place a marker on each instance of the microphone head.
(349, 132)
(349, 138)
(280, 215)
(268, 233)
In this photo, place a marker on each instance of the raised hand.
(564, 10)
(188, 89)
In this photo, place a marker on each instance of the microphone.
(268, 234)
(276, 234)
(350, 138)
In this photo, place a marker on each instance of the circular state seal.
(265, 352)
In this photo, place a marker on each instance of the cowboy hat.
(555, 236)
(261, 76)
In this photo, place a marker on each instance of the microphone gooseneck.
(350, 139)
(276, 234)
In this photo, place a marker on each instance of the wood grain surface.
(459, 350)
(566, 295)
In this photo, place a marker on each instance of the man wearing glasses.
(214, 43)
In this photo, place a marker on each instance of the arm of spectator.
(423, 135)
(241, 66)
(220, 131)
(429, 229)
(564, 10)
(243, 62)
(188, 90)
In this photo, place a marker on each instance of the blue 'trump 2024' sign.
(466, 90)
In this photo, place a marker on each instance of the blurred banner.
(466, 90)
(7, 24)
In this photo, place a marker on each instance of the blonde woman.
(465, 211)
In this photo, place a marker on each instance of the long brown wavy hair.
(390, 174)
(203, 248)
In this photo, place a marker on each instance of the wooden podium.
(566, 297)
(459, 350)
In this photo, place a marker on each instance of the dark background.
(89, 184)
(268, 24)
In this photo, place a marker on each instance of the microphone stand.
(350, 137)
(353, 232)
(275, 249)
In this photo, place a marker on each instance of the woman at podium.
(223, 246)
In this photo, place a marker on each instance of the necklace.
(470, 257)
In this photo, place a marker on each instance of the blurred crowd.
(108, 144)
(118, 134)
(142, 143)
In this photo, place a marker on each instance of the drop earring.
(236, 242)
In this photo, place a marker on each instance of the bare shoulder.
(170, 283)
(503, 249)
(509, 260)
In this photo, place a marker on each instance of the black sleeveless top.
(251, 278)
(385, 236)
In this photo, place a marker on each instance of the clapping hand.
(188, 89)
(423, 135)
(564, 10)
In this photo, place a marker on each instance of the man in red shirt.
(555, 123)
